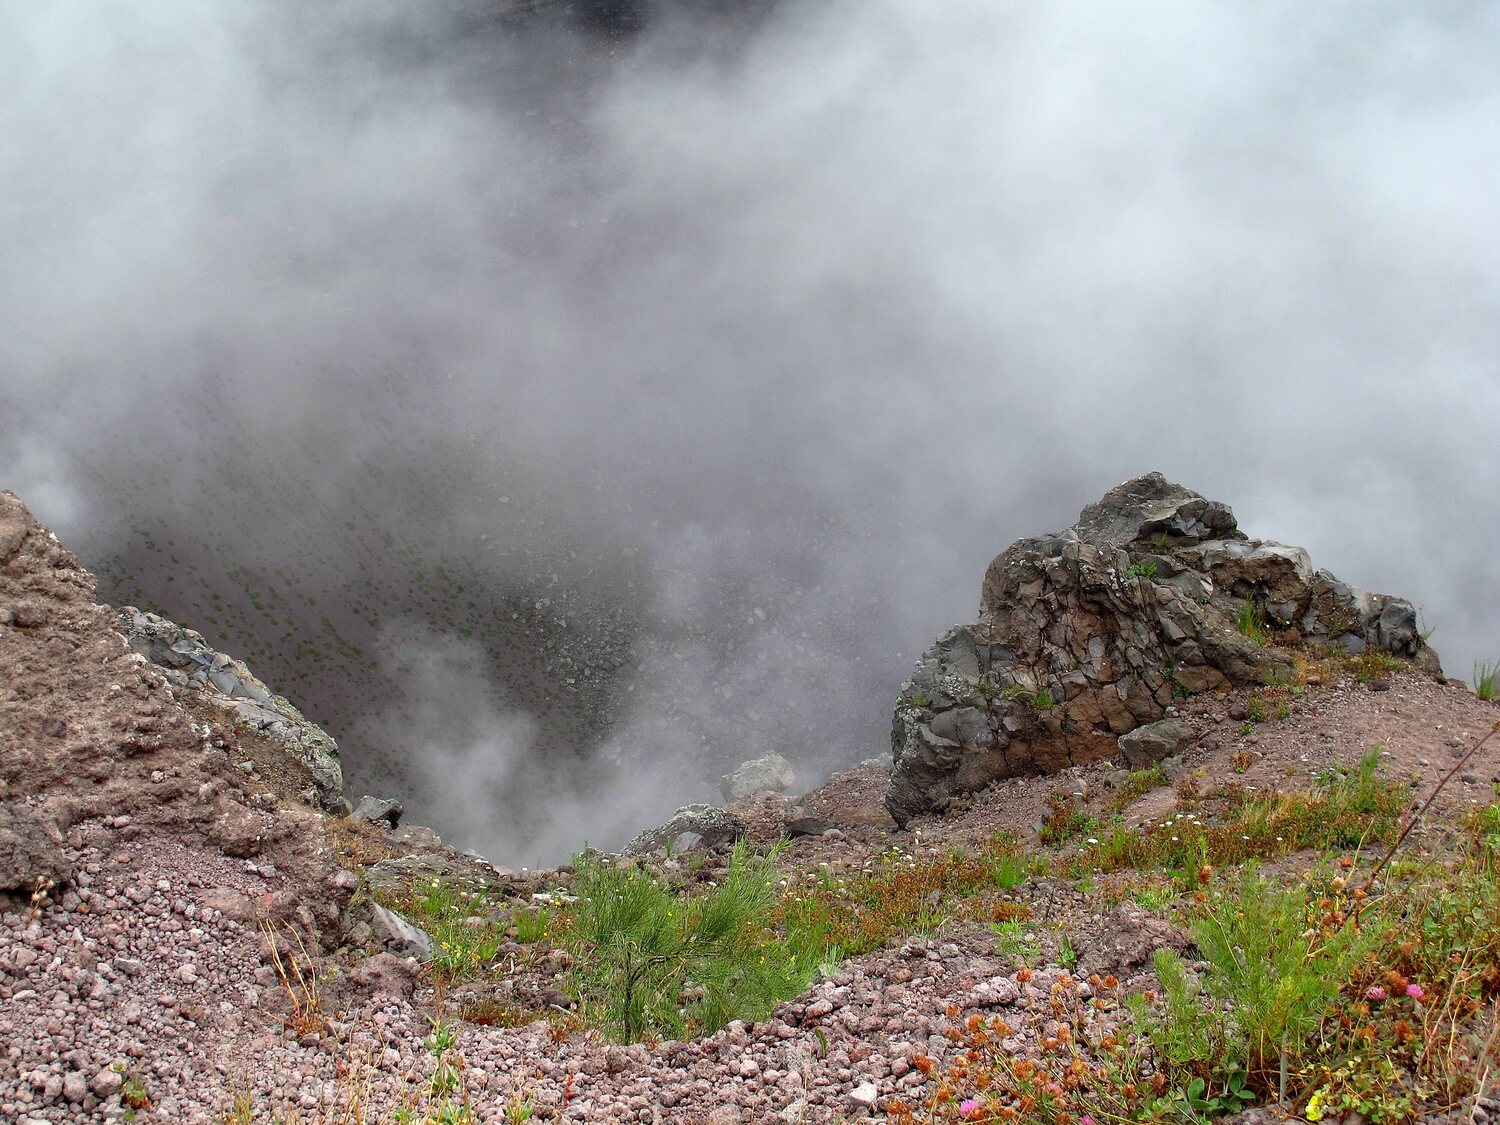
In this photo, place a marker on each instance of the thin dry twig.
(1416, 817)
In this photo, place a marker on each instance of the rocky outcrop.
(1083, 637)
(189, 662)
(102, 757)
(690, 828)
(422, 857)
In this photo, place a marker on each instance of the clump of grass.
(1016, 941)
(1372, 664)
(1486, 679)
(1145, 569)
(1317, 993)
(496, 1013)
(466, 935)
(1137, 784)
(358, 843)
(298, 980)
(1278, 961)
(1347, 811)
(1043, 700)
(900, 894)
(1252, 624)
(531, 925)
(1064, 821)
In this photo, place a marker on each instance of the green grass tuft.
(1252, 624)
(1487, 679)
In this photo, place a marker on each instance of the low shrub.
(651, 963)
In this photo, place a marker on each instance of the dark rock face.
(1083, 637)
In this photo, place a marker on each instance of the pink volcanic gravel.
(132, 971)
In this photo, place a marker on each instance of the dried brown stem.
(1421, 811)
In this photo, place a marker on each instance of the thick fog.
(566, 413)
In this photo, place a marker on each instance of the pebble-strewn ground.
(145, 983)
(137, 974)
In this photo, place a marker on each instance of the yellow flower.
(1315, 1107)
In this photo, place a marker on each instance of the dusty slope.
(144, 974)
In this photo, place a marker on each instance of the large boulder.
(1154, 742)
(1084, 636)
(770, 774)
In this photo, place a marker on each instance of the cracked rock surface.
(1084, 636)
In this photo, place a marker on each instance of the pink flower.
(968, 1108)
(1054, 1088)
(1376, 993)
(1087, 1119)
(1415, 992)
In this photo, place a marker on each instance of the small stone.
(107, 1083)
(399, 935)
(75, 1087)
(865, 1094)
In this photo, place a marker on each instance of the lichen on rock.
(1084, 636)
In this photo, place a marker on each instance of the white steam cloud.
(410, 353)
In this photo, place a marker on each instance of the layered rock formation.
(1085, 636)
(99, 749)
(187, 661)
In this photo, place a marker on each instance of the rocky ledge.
(189, 663)
(1083, 637)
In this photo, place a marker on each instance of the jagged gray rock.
(399, 935)
(1083, 637)
(713, 826)
(385, 811)
(425, 857)
(189, 662)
